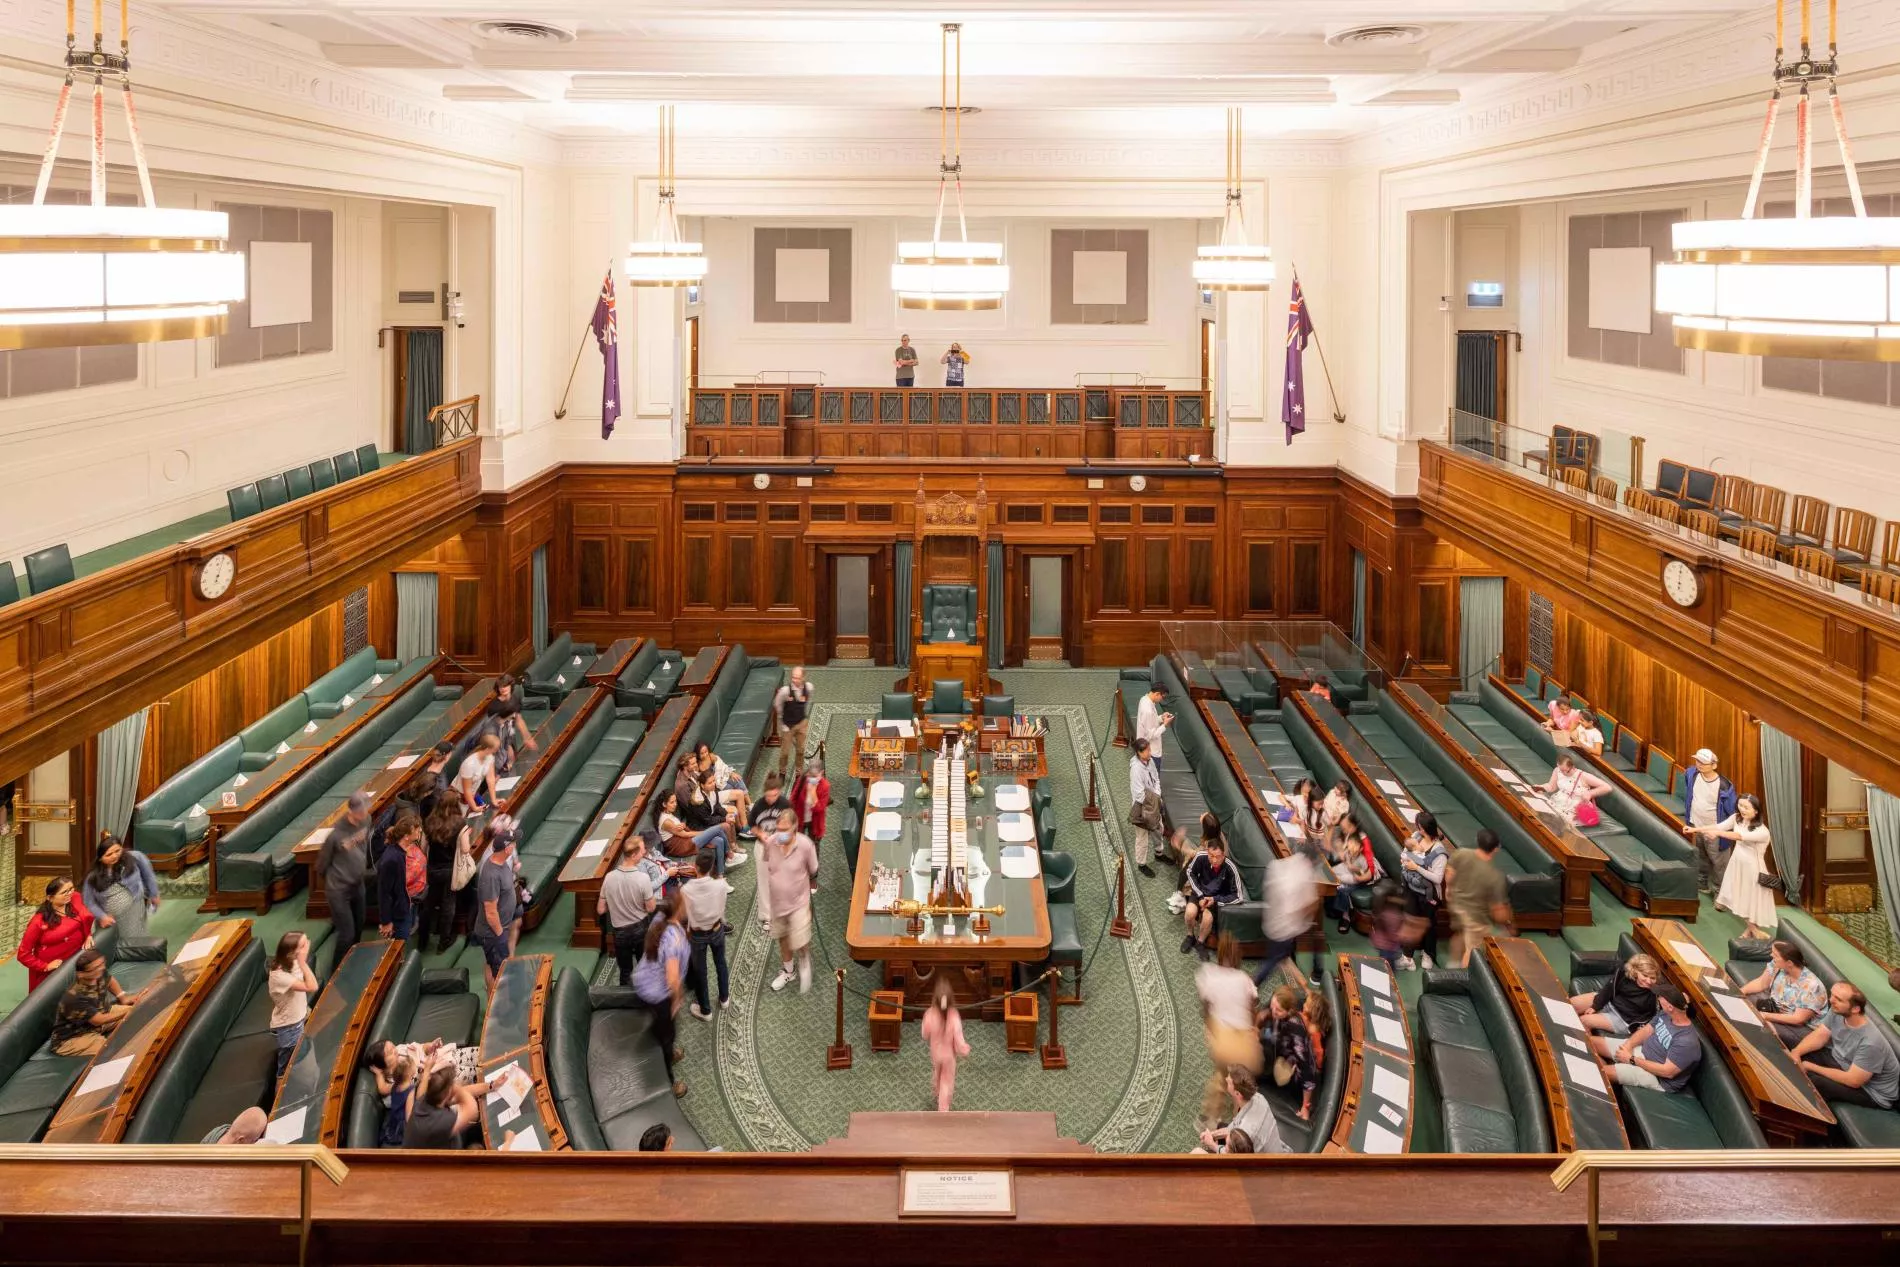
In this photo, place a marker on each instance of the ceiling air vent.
(523, 31)
(1377, 33)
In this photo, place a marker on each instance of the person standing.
(1422, 866)
(791, 706)
(446, 829)
(402, 879)
(1707, 800)
(58, 930)
(811, 797)
(905, 362)
(704, 899)
(1151, 723)
(121, 888)
(1475, 891)
(1292, 898)
(628, 902)
(1228, 999)
(953, 362)
(659, 980)
(1144, 811)
(791, 861)
(1742, 891)
(502, 718)
(943, 1032)
(497, 906)
(291, 983)
(342, 863)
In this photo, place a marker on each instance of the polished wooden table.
(1782, 1097)
(980, 967)
(1581, 1102)
(611, 663)
(514, 1034)
(1376, 1110)
(315, 1091)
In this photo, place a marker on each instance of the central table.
(979, 966)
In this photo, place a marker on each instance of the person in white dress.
(1572, 787)
(1742, 893)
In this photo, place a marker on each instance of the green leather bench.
(224, 1062)
(754, 680)
(355, 986)
(1711, 1112)
(423, 1004)
(1250, 691)
(1857, 1126)
(1622, 751)
(559, 669)
(649, 678)
(1312, 1135)
(325, 695)
(565, 798)
(33, 1081)
(1490, 1099)
(604, 1070)
(1646, 852)
(258, 851)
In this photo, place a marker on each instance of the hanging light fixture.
(667, 261)
(963, 275)
(1234, 265)
(91, 275)
(1825, 287)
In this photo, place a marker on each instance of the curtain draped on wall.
(424, 393)
(1883, 821)
(1359, 598)
(900, 604)
(1480, 626)
(996, 604)
(415, 615)
(117, 787)
(1781, 785)
(540, 569)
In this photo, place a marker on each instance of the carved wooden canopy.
(952, 514)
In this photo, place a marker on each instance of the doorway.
(418, 386)
(852, 605)
(1041, 608)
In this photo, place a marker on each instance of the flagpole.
(561, 410)
(1324, 368)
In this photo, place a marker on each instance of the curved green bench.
(607, 1077)
(1490, 1098)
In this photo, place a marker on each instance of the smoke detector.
(523, 31)
(1377, 33)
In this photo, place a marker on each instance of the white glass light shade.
(1819, 233)
(665, 263)
(961, 276)
(170, 223)
(1234, 267)
(1786, 292)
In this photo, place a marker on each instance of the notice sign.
(956, 1194)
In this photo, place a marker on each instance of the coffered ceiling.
(1057, 68)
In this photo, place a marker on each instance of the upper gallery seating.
(561, 796)
(33, 1081)
(606, 1075)
(1478, 1059)
(559, 669)
(168, 824)
(1711, 1112)
(1652, 864)
(649, 678)
(255, 857)
(224, 1062)
(300, 481)
(423, 1004)
(1856, 1125)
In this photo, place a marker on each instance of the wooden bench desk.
(611, 663)
(314, 1094)
(1581, 1102)
(514, 1034)
(1376, 1106)
(704, 670)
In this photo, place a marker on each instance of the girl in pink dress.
(943, 1030)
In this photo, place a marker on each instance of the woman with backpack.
(1422, 873)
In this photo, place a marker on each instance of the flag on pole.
(607, 334)
(1299, 328)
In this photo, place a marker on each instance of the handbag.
(465, 866)
(1147, 815)
(1587, 815)
(1768, 881)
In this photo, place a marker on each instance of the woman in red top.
(60, 929)
(811, 796)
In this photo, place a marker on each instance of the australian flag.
(1299, 328)
(607, 334)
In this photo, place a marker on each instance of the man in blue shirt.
(1212, 881)
(1662, 1055)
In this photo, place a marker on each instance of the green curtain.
(1781, 787)
(540, 568)
(900, 603)
(415, 615)
(1358, 598)
(1480, 626)
(424, 390)
(116, 788)
(996, 604)
(1883, 821)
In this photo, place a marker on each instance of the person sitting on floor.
(1662, 1055)
(1849, 1060)
(1211, 882)
(1627, 1001)
(90, 1010)
(1787, 993)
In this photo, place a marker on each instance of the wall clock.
(1137, 483)
(761, 481)
(1682, 583)
(216, 575)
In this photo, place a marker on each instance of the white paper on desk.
(310, 728)
(101, 1076)
(610, 815)
(193, 951)
(507, 784)
(1738, 1009)
(526, 1142)
(1689, 952)
(1375, 979)
(282, 748)
(560, 679)
(1292, 830)
(651, 686)
(1387, 1085)
(377, 680)
(287, 1129)
(1382, 1003)
(1388, 1031)
(1386, 1112)
(512, 1083)
(1389, 787)
(346, 701)
(632, 782)
(1539, 804)
(507, 1115)
(1380, 1140)
(404, 762)
(317, 837)
(1576, 1044)
(1585, 1072)
(592, 848)
(577, 659)
(1504, 774)
(240, 781)
(1411, 815)
(1272, 798)
(1561, 1012)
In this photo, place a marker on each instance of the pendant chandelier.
(962, 275)
(93, 275)
(1234, 265)
(667, 261)
(1825, 287)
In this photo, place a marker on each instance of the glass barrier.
(1304, 650)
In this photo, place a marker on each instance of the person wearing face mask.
(791, 864)
(811, 796)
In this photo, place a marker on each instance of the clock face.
(1137, 483)
(1681, 583)
(761, 481)
(215, 576)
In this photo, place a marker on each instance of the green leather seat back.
(243, 501)
(896, 706)
(347, 466)
(946, 697)
(297, 482)
(366, 459)
(1195, 778)
(271, 491)
(1058, 876)
(343, 679)
(568, 1023)
(999, 706)
(322, 474)
(49, 568)
(949, 613)
(262, 736)
(1513, 1054)
(162, 1110)
(163, 822)
(9, 584)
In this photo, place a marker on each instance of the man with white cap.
(1708, 799)
(342, 864)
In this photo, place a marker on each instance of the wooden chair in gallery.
(1813, 561)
